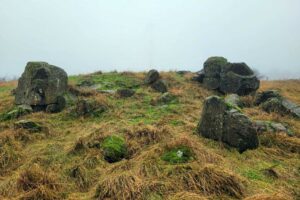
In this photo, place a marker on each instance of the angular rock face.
(220, 123)
(41, 85)
(219, 74)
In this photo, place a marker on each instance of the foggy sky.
(87, 35)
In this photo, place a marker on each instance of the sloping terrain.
(66, 159)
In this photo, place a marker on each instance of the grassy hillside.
(66, 160)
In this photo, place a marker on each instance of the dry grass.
(215, 172)
(39, 184)
(120, 186)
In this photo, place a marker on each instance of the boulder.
(160, 86)
(31, 126)
(40, 85)
(234, 99)
(221, 123)
(125, 92)
(151, 76)
(219, 74)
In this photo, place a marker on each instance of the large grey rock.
(40, 85)
(151, 76)
(219, 74)
(218, 122)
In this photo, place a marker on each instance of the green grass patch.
(177, 155)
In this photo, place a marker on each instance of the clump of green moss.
(176, 155)
(114, 148)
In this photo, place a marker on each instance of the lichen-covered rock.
(160, 86)
(151, 76)
(237, 78)
(221, 123)
(266, 95)
(125, 92)
(212, 118)
(268, 126)
(272, 101)
(40, 85)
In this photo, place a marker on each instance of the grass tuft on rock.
(114, 148)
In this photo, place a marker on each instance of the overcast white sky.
(87, 35)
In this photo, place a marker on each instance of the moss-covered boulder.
(226, 77)
(223, 122)
(181, 154)
(114, 148)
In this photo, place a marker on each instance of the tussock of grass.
(82, 178)
(281, 141)
(186, 196)
(10, 157)
(209, 180)
(39, 184)
(269, 197)
(120, 186)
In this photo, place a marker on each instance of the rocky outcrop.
(219, 74)
(87, 108)
(272, 101)
(151, 76)
(221, 123)
(41, 85)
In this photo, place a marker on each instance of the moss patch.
(178, 155)
(114, 148)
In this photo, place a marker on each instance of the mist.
(134, 35)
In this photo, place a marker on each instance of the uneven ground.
(62, 163)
